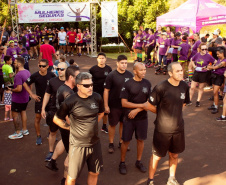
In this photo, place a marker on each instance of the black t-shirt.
(26, 59)
(99, 75)
(169, 100)
(42, 38)
(51, 37)
(136, 92)
(214, 51)
(40, 82)
(52, 87)
(63, 92)
(115, 82)
(83, 114)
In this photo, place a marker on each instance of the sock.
(190, 73)
(149, 180)
(111, 144)
(137, 161)
(223, 116)
(216, 106)
(171, 177)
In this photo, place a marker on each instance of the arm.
(11, 75)
(222, 64)
(167, 50)
(150, 107)
(40, 56)
(176, 47)
(106, 96)
(44, 103)
(17, 89)
(28, 89)
(100, 116)
(61, 123)
(130, 105)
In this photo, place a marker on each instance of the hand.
(166, 54)
(132, 114)
(36, 97)
(43, 113)
(107, 110)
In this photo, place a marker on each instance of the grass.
(130, 57)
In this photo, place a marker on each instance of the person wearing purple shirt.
(138, 45)
(151, 46)
(145, 37)
(20, 98)
(14, 38)
(33, 42)
(196, 45)
(175, 45)
(200, 62)
(218, 70)
(168, 31)
(11, 51)
(19, 49)
(1, 73)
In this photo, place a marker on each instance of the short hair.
(61, 52)
(101, 54)
(152, 30)
(82, 76)
(20, 60)
(196, 34)
(23, 49)
(70, 71)
(207, 35)
(184, 37)
(44, 60)
(46, 38)
(7, 58)
(203, 39)
(201, 44)
(62, 58)
(222, 49)
(121, 57)
(219, 41)
(170, 66)
(71, 61)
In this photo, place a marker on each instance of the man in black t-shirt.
(51, 36)
(134, 94)
(168, 99)
(85, 109)
(40, 79)
(112, 102)
(49, 105)
(99, 73)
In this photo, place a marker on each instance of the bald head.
(138, 65)
(62, 65)
(139, 71)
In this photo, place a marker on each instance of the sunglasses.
(204, 49)
(87, 85)
(60, 69)
(2, 49)
(42, 66)
(57, 54)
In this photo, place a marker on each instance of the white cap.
(164, 33)
(216, 32)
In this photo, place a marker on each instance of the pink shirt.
(47, 52)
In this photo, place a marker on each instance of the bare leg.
(111, 133)
(192, 89)
(120, 131)
(70, 181)
(66, 162)
(215, 94)
(173, 161)
(153, 164)
(10, 114)
(6, 114)
(105, 119)
(24, 119)
(52, 139)
(16, 121)
(200, 92)
(64, 48)
(59, 149)
(224, 107)
(92, 178)
(37, 123)
(124, 147)
(140, 148)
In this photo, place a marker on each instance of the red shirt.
(71, 36)
(79, 36)
(47, 51)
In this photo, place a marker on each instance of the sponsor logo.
(93, 106)
(182, 96)
(145, 90)
(123, 89)
(126, 79)
(151, 98)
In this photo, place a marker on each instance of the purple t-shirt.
(168, 35)
(184, 51)
(202, 61)
(220, 71)
(1, 64)
(176, 42)
(19, 51)
(170, 41)
(15, 39)
(145, 38)
(157, 35)
(150, 39)
(163, 45)
(12, 52)
(32, 38)
(20, 78)
(38, 34)
(195, 47)
(139, 41)
(27, 40)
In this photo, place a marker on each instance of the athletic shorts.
(162, 142)
(140, 127)
(38, 107)
(7, 108)
(65, 138)
(28, 48)
(49, 121)
(200, 77)
(182, 61)
(88, 43)
(33, 45)
(217, 79)
(84, 43)
(80, 44)
(19, 107)
(115, 116)
(62, 44)
(71, 44)
(140, 48)
(79, 155)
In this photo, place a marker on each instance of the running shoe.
(52, 165)
(104, 129)
(150, 182)
(16, 136)
(6, 119)
(24, 132)
(38, 140)
(122, 168)
(197, 104)
(221, 119)
(211, 107)
(49, 156)
(190, 103)
(172, 181)
(11, 119)
(63, 181)
(140, 166)
(111, 148)
(214, 111)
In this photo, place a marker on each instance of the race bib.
(31, 40)
(144, 40)
(14, 56)
(198, 69)
(50, 38)
(138, 40)
(162, 46)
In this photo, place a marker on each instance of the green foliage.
(113, 49)
(4, 11)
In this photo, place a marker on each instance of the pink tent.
(194, 14)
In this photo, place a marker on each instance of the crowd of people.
(74, 102)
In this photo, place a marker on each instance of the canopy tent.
(194, 14)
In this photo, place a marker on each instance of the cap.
(11, 41)
(191, 37)
(215, 32)
(164, 33)
(61, 28)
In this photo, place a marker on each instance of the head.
(139, 70)
(207, 35)
(79, 30)
(87, 30)
(122, 63)
(46, 39)
(71, 61)
(146, 30)
(196, 36)
(219, 41)
(134, 33)
(57, 55)
(84, 84)
(32, 30)
(177, 35)
(84, 31)
(19, 62)
(140, 32)
(13, 34)
(203, 39)
(221, 52)
(37, 29)
(151, 31)
(159, 28)
(20, 44)
(71, 73)
(101, 59)
(184, 38)
(219, 31)
(62, 58)
(75, 30)
(224, 41)
(62, 29)
(172, 34)
(61, 52)
(43, 65)
(11, 43)
(168, 29)
(175, 71)
(164, 35)
(23, 50)
(1, 48)
(50, 31)
(8, 59)
(72, 29)
(203, 48)
(43, 32)
(215, 34)
(61, 68)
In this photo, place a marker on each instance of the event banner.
(53, 12)
(109, 17)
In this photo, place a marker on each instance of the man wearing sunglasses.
(85, 110)
(40, 80)
(49, 105)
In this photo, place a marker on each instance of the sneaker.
(111, 148)
(52, 165)
(122, 168)
(140, 166)
(149, 182)
(11, 119)
(39, 140)
(197, 104)
(49, 156)
(211, 107)
(214, 111)
(6, 119)
(172, 181)
(24, 132)
(16, 136)
(63, 181)
(221, 119)
(190, 103)
(72, 55)
(104, 129)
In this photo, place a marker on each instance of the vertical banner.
(109, 19)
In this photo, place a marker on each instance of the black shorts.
(80, 44)
(217, 79)
(84, 43)
(162, 142)
(33, 45)
(79, 155)
(71, 44)
(38, 107)
(140, 48)
(19, 107)
(65, 138)
(140, 127)
(115, 116)
(49, 121)
(28, 48)
(200, 77)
